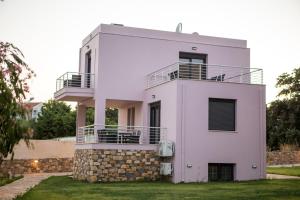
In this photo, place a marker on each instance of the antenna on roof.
(179, 28)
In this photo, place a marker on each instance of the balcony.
(113, 134)
(74, 86)
(205, 72)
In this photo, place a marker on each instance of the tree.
(283, 115)
(111, 116)
(55, 120)
(14, 76)
(289, 84)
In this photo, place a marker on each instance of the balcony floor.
(73, 94)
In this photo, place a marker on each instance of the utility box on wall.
(165, 169)
(166, 149)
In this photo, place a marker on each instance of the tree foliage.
(283, 115)
(55, 120)
(14, 76)
(111, 116)
(289, 84)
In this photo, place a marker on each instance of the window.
(220, 172)
(130, 116)
(222, 114)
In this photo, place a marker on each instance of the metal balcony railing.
(113, 134)
(208, 72)
(75, 80)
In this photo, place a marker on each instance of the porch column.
(99, 111)
(81, 116)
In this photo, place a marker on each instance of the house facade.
(190, 108)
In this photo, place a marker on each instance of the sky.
(50, 32)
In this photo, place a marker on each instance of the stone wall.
(22, 166)
(115, 165)
(283, 157)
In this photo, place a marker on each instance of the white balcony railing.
(113, 134)
(208, 72)
(75, 80)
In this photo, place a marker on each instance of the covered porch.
(131, 127)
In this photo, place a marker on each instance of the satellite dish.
(179, 28)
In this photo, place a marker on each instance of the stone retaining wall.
(22, 166)
(115, 165)
(283, 157)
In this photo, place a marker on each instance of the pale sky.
(49, 32)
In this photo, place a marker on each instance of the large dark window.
(220, 172)
(222, 114)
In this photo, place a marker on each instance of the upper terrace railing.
(113, 134)
(208, 72)
(75, 80)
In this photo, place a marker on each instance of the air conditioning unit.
(166, 169)
(166, 149)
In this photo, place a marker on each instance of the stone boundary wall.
(109, 165)
(283, 157)
(23, 166)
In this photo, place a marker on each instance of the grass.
(291, 171)
(57, 188)
(4, 181)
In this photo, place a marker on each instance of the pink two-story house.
(190, 108)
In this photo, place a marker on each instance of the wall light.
(194, 48)
(153, 96)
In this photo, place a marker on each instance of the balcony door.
(154, 123)
(192, 66)
(88, 69)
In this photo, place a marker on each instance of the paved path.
(19, 187)
(287, 165)
(277, 176)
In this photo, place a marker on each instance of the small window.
(130, 116)
(222, 114)
(220, 172)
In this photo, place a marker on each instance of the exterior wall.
(283, 157)
(42, 156)
(198, 146)
(167, 95)
(42, 149)
(45, 165)
(111, 165)
(122, 114)
(126, 57)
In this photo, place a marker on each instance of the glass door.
(88, 70)
(192, 66)
(154, 135)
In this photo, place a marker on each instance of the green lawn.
(291, 171)
(4, 181)
(58, 188)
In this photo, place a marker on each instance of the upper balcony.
(74, 86)
(207, 72)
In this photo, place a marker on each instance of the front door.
(154, 135)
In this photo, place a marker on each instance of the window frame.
(235, 114)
